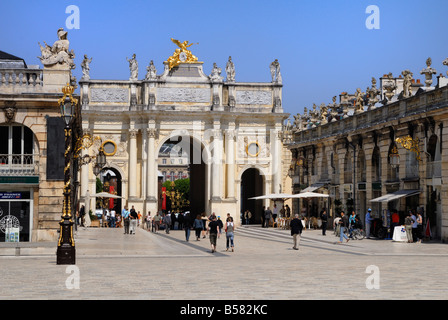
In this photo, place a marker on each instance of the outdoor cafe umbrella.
(308, 195)
(273, 196)
(96, 195)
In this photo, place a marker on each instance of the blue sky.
(324, 47)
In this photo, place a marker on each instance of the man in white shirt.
(112, 218)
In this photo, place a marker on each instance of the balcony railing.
(19, 164)
(29, 79)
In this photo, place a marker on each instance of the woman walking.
(198, 226)
(230, 228)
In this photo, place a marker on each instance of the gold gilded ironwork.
(68, 92)
(410, 144)
(85, 142)
(181, 54)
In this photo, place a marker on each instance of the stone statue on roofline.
(230, 70)
(390, 86)
(133, 68)
(445, 63)
(216, 73)
(407, 82)
(275, 71)
(151, 72)
(85, 66)
(359, 101)
(428, 72)
(373, 95)
(323, 113)
(334, 110)
(58, 54)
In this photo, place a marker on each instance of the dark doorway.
(252, 186)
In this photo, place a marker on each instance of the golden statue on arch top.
(181, 54)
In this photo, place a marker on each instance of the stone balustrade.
(21, 80)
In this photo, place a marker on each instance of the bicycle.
(357, 234)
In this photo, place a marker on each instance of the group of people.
(202, 225)
(130, 220)
(413, 223)
(213, 226)
(269, 217)
(344, 222)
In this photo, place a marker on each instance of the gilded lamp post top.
(181, 54)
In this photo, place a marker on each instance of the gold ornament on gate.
(181, 54)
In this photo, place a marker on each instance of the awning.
(313, 187)
(396, 195)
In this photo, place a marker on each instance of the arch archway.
(252, 185)
(112, 183)
(184, 156)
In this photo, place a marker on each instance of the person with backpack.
(296, 231)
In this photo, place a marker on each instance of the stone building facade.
(383, 149)
(230, 132)
(32, 141)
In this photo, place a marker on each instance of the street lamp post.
(66, 252)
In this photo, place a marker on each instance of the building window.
(163, 161)
(16, 144)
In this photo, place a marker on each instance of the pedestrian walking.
(133, 221)
(156, 222)
(267, 217)
(369, 220)
(414, 227)
(204, 224)
(113, 218)
(186, 224)
(324, 219)
(336, 225)
(419, 227)
(125, 217)
(167, 222)
(344, 225)
(220, 226)
(230, 228)
(148, 221)
(247, 216)
(198, 226)
(296, 230)
(262, 216)
(213, 229)
(408, 221)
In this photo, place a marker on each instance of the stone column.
(132, 181)
(230, 163)
(216, 165)
(276, 171)
(152, 172)
(84, 175)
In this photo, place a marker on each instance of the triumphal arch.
(230, 132)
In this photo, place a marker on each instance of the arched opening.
(111, 181)
(181, 158)
(252, 186)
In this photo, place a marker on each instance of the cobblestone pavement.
(264, 266)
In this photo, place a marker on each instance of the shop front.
(16, 212)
